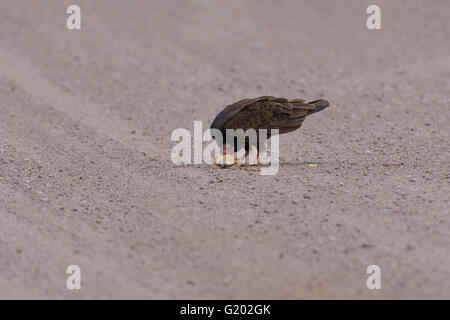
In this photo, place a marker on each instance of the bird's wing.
(228, 113)
(269, 113)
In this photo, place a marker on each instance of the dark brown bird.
(264, 113)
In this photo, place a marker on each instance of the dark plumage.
(265, 113)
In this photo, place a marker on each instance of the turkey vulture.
(264, 113)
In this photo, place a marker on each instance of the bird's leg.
(228, 154)
(247, 157)
(228, 149)
(247, 154)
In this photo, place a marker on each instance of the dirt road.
(86, 176)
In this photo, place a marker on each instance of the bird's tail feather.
(301, 110)
(319, 105)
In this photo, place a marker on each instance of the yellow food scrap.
(226, 161)
(312, 165)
